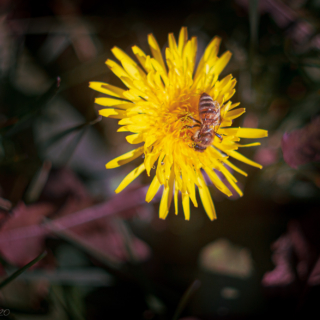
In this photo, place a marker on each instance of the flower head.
(160, 107)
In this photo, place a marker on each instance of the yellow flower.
(157, 108)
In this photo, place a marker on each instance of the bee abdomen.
(209, 111)
(205, 100)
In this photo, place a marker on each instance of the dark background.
(53, 155)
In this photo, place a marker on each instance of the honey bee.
(209, 114)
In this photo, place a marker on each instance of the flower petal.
(206, 198)
(235, 113)
(252, 133)
(166, 197)
(217, 182)
(153, 189)
(130, 177)
(222, 62)
(156, 52)
(231, 179)
(121, 56)
(235, 168)
(113, 113)
(109, 102)
(186, 206)
(176, 193)
(125, 158)
(143, 58)
(135, 138)
(150, 159)
(254, 144)
(158, 106)
(240, 157)
(210, 53)
(172, 42)
(107, 89)
(119, 72)
(183, 38)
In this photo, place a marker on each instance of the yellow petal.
(134, 71)
(135, 138)
(130, 177)
(235, 113)
(172, 42)
(160, 169)
(113, 113)
(108, 102)
(212, 48)
(142, 58)
(183, 37)
(248, 144)
(226, 122)
(231, 179)
(206, 199)
(157, 80)
(251, 133)
(192, 193)
(228, 131)
(225, 145)
(137, 119)
(234, 105)
(189, 174)
(150, 140)
(226, 172)
(155, 63)
(107, 89)
(150, 159)
(222, 62)
(134, 91)
(137, 128)
(125, 158)
(186, 206)
(156, 52)
(210, 52)
(153, 189)
(119, 72)
(176, 193)
(217, 182)
(235, 168)
(240, 157)
(189, 56)
(125, 121)
(166, 197)
(123, 129)
(121, 55)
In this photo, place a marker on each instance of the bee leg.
(196, 125)
(218, 135)
(195, 120)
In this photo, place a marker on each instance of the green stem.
(21, 270)
(185, 298)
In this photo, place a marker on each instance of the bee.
(209, 114)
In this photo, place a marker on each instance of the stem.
(185, 298)
(21, 270)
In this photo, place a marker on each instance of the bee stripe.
(203, 101)
(209, 114)
(205, 104)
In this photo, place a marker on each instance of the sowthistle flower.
(158, 107)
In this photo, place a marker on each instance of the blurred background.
(82, 252)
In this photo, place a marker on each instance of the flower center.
(176, 117)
